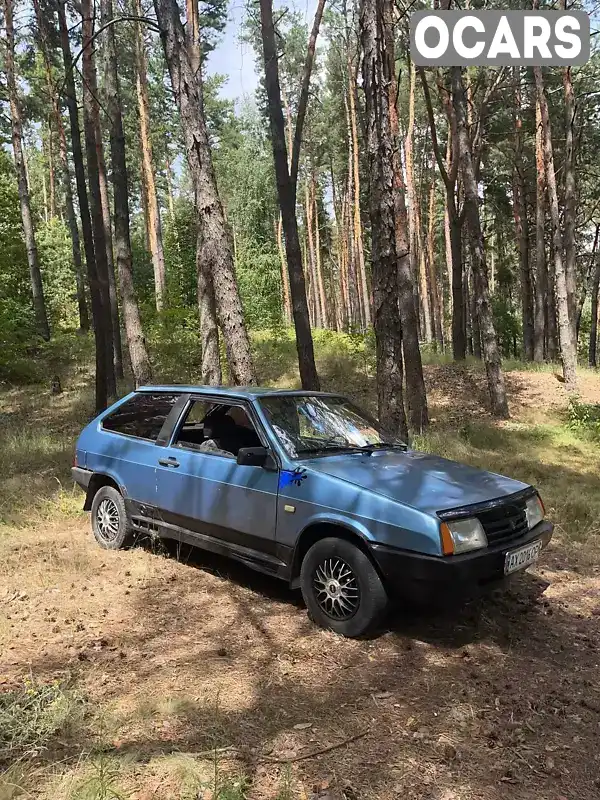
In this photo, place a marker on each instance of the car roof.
(235, 392)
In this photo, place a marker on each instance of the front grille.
(504, 523)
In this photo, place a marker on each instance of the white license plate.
(523, 557)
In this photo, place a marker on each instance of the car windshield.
(316, 424)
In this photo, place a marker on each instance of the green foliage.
(173, 339)
(508, 325)
(56, 262)
(584, 418)
(31, 715)
(17, 324)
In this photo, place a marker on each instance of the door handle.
(168, 462)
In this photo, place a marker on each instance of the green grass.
(31, 716)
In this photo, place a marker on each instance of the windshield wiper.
(367, 449)
(372, 448)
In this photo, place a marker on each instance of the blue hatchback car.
(305, 487)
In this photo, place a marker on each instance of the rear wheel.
(110, 525)
(341, 588)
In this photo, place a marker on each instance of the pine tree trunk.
(357, 223)
(51, 169)
(318, 264)
(491, 353)
(209, 330)
(356, 309)
(522, 224)
(595, 288)
(215, 251)
(153, 220)
(436, 303)
(541, 271)
(286, 192)
(384, 254)
(84, 323)
(35, 275)
(84, 211)
(136, 344)
(567, 343)
(207, 308)
(570, 202)
(110, 260)
(285, 286)
(312, 258)
(416, 397)
(89, 116)
(413, 211)
(552, 343)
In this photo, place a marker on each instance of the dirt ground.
(180, 654)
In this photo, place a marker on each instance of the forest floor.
(161, 675)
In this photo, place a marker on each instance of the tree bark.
(90, 132)
(106, 216)
(522, 224)
(357, 222)
(51, 170)
(153, 220)
(209, 330)
(491, 353)
(312, 257)
(541, 271)
(84, 211)
(35, 275)
(286, 192)
(417, 257)
(285, 284)
(384, 254)
(356, 306)
(136, 344)
(386, 72)
(215, 247)
(207, 308)
(570, 200)
(567, 344)
(42, 24)
(318, 260)
(594, 289)
(436, 304)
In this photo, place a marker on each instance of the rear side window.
(142, 416)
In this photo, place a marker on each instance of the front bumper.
(423, 576)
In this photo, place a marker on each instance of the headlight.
(535, 511)
(462, 536)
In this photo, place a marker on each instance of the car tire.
(110, 524)
(342, 589)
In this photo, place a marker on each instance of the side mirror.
(255, 457)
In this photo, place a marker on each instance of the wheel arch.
(324, 529)
(97, 482)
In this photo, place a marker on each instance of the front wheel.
(341, 588)
(110, 525)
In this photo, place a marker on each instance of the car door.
(214, 500)
(128, 448)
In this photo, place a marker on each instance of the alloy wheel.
(336, 589)
(107, 520)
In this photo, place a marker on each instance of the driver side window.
(217, 429)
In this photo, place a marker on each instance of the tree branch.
(303, 102)
(432, 126)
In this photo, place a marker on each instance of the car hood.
(426, 482)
